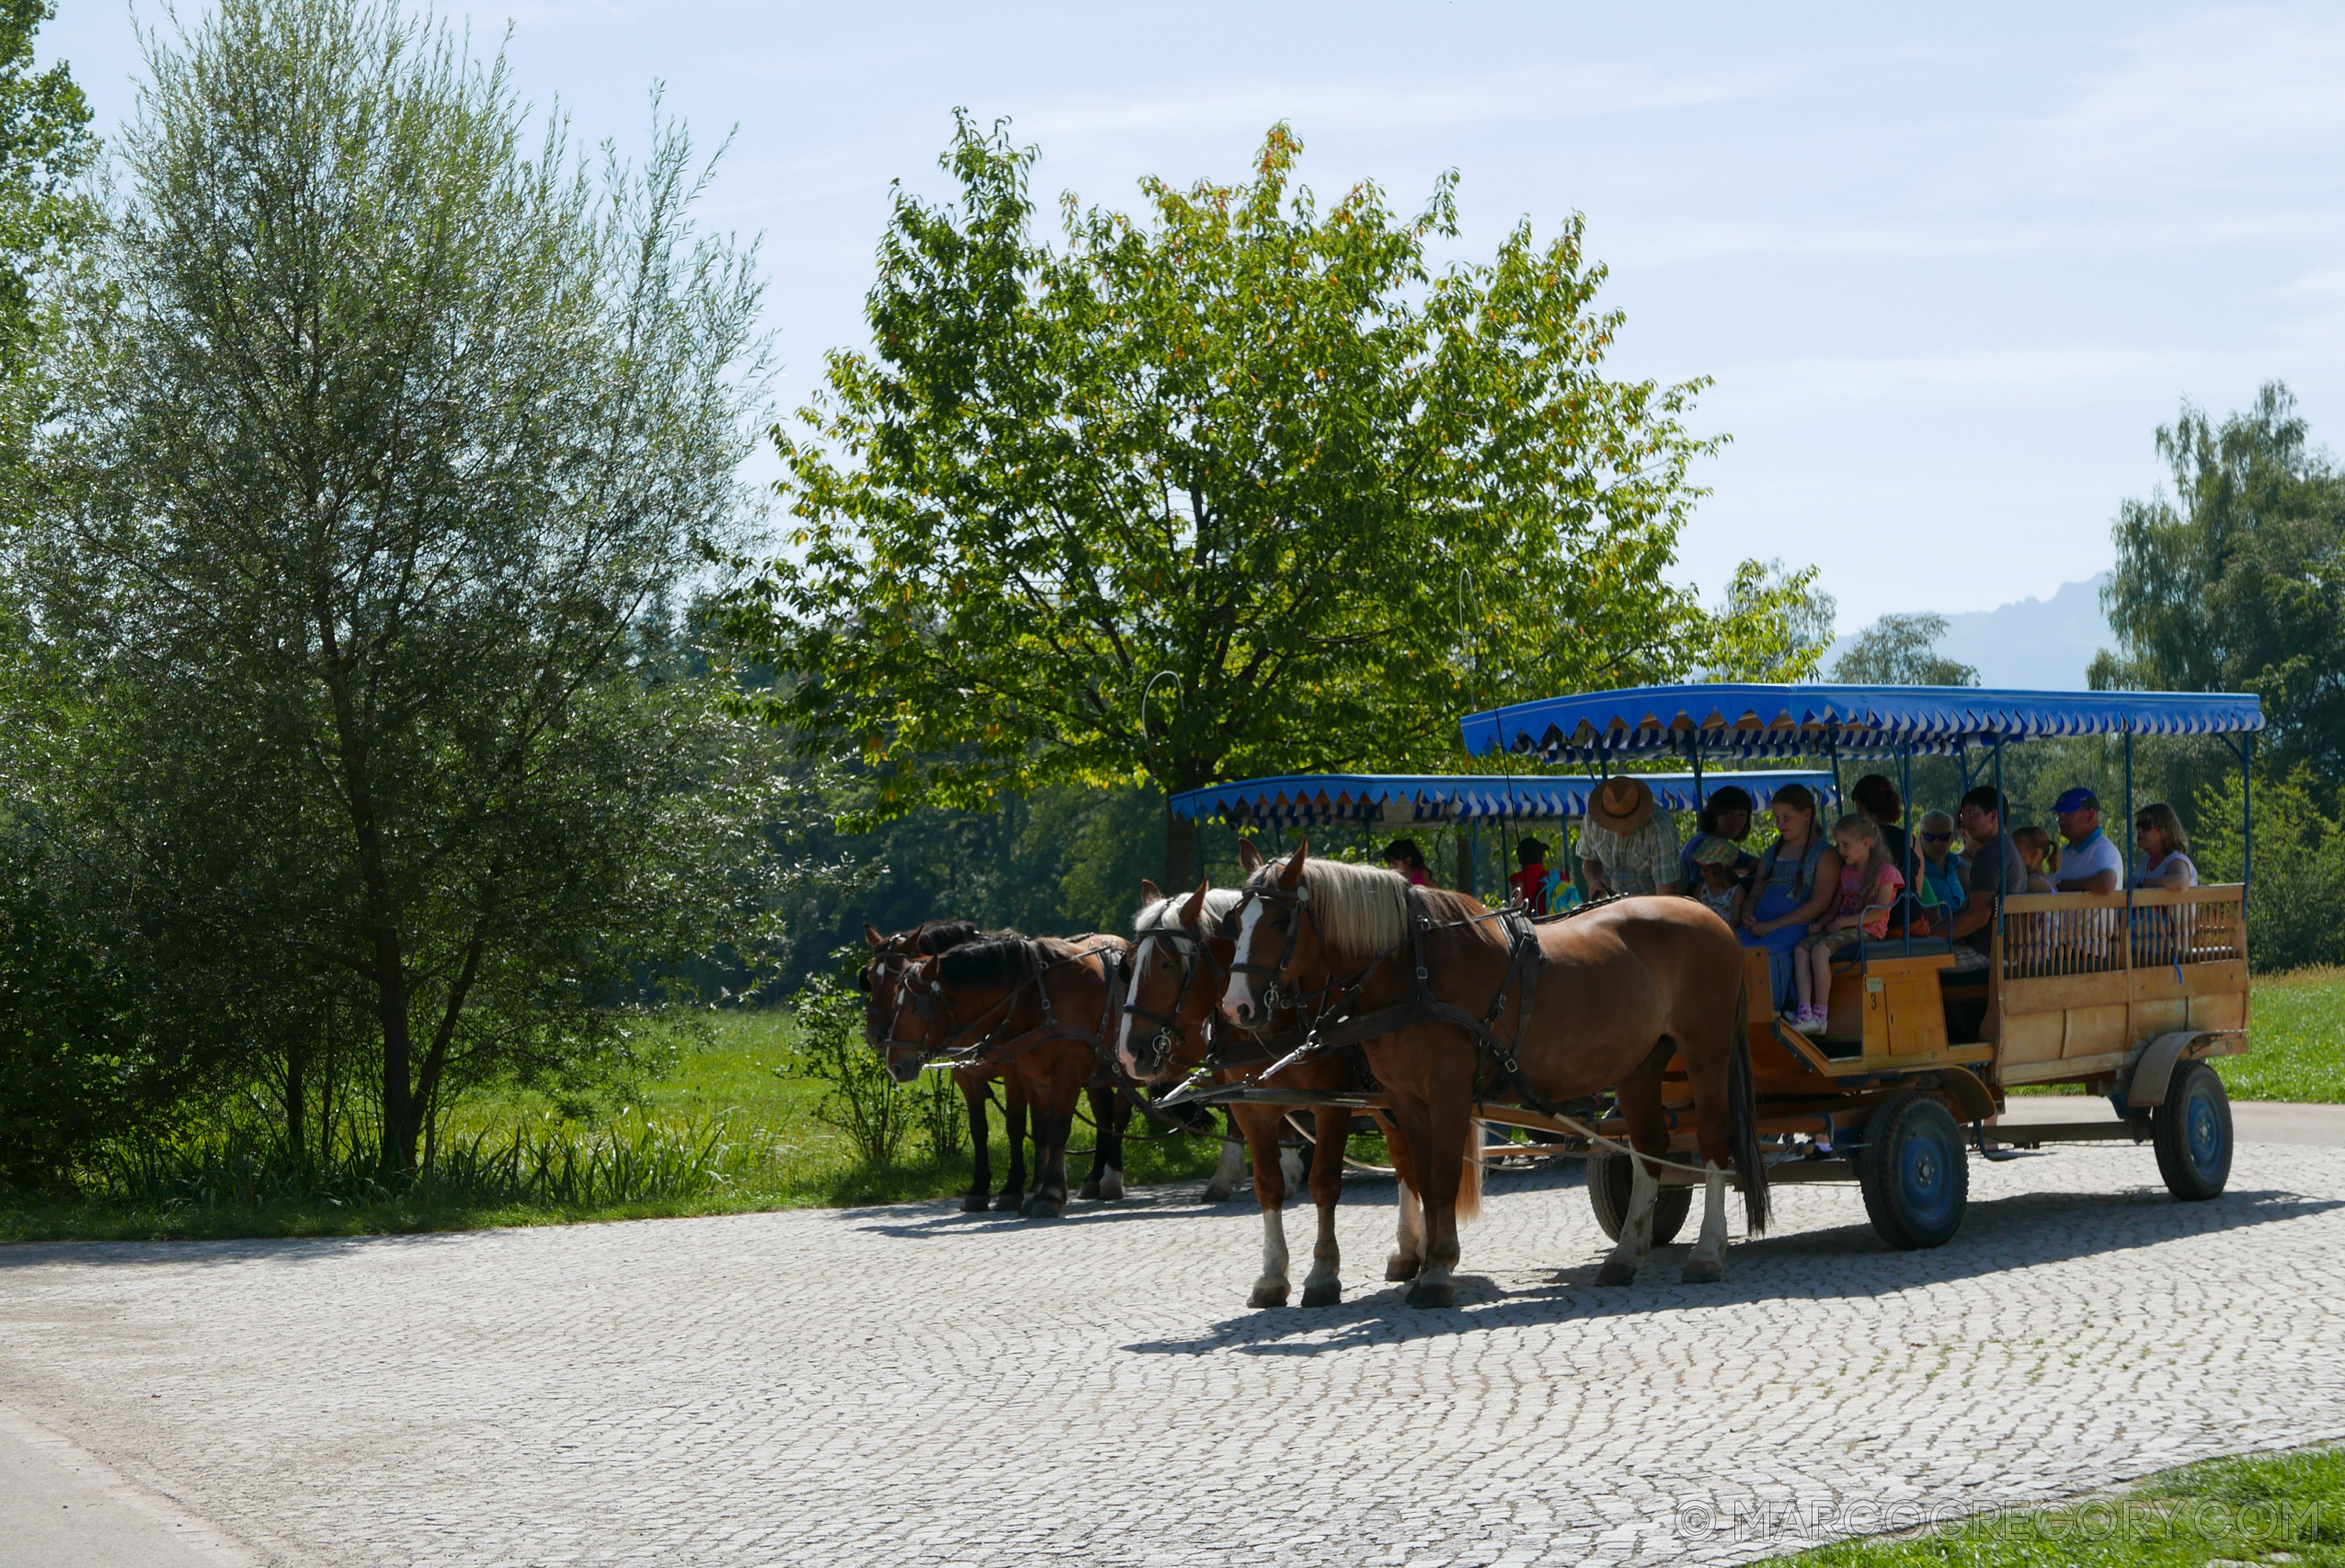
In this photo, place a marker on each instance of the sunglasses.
(1936, 838)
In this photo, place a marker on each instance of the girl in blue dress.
(1794, 885)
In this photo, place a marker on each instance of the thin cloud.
(2000, 374)
(1539, 94)
(2206, 95)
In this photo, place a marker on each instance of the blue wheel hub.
(1926, 1166)
(2204, 1135)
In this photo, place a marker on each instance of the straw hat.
(1621, 806)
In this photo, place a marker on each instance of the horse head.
(1273, 938)
(890, 956)
(1178, 954)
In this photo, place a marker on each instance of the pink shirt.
(1857, 886)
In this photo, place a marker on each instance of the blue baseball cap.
(2077, 799)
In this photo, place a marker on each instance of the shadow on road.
(2000, 1235)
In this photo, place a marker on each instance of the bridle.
(1197, 952)
(1295, 902)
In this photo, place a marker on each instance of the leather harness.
(986, 1049)
(1337, 1025)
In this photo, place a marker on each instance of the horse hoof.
(1269, 1295)
(1042, 1208)
(1431, 1293)
(1396, 1269)
(1329, 1294)
(1006, 1202)
(1700, 1273)
(1089, 1191)
(1111, 1188)
(1617, 1273)
(976, 1203)
(1219, 1194)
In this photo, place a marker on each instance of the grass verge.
(2276, 1508)
(728, 1129)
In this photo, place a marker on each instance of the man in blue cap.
(2090, 863)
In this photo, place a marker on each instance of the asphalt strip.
(61, 1507)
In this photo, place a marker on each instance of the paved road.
(913, 1387)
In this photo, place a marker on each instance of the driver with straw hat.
(1629, 846)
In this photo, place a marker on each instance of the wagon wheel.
(1914, 1173)
(1610, 1178)
(2192, 1132)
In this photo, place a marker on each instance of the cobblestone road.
(914, 1387)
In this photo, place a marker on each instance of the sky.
(1948, 268)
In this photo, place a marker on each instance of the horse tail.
(1750, 1164)
(1470, 1174)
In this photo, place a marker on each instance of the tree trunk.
(297, 1052)
(402, 1111)
(1180, 847)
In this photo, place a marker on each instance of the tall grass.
(548, 1163)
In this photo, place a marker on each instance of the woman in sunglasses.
(1943, 872)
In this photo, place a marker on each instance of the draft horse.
(890, 956)
(1181, 957)
(1454, 1003)
(1037, 1010)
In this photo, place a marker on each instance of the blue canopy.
(1298, 800)
(1839, 721)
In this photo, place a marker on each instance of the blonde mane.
(1165, 913)
(1362, 910)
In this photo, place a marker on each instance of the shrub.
(72, 1067)
(862, 1102)
(2297, 904)
(944, 1123)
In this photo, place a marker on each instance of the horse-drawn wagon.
(2128, 994)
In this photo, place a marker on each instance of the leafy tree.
(45, 217)
(1775, 624)
(1243, 486)
(1902, 650)
(392, 436)
(2237, 582)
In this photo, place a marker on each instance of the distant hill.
(2045, 644)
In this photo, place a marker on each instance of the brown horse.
(890, 956)
(1037, 1010)
(1598, 1000)
(1180, 960)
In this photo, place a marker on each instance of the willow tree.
(1243, 485)
(396, 428)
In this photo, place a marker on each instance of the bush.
(944, 1123)
(862, 1102)
(72, 1068)
(2297, 904)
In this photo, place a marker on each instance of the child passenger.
(2038, 855)
(1869, 885)
(1715, 861)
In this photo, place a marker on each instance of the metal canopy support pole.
(2247, 808)
(2131, 850)
(2003, 832)
(2132, 861)
(1905, 793)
